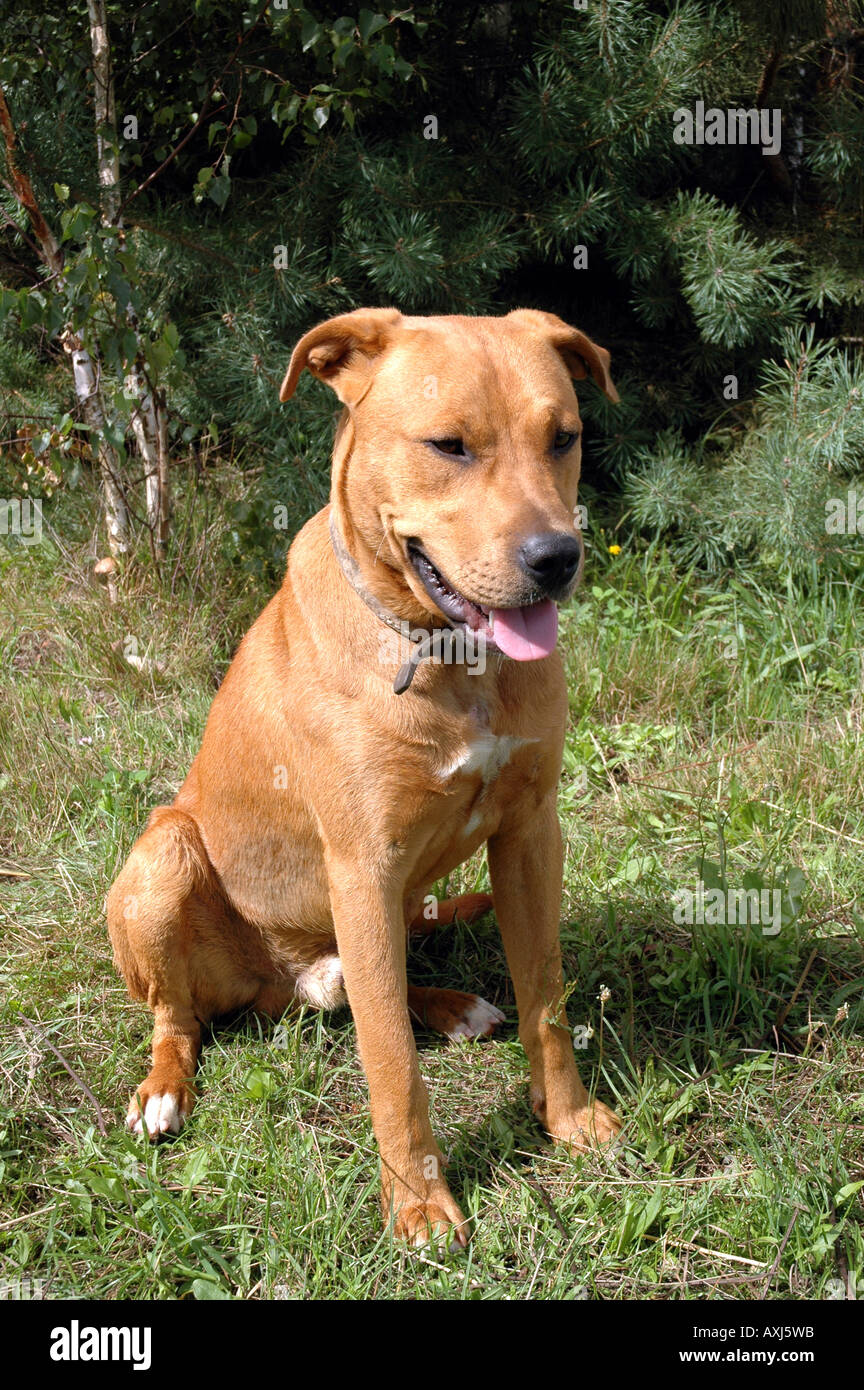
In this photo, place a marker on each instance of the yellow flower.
(614, 550)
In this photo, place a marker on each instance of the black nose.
(551, 559)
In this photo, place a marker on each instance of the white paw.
(478, 1020)
(162, 1115)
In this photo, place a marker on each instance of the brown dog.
(323, 805)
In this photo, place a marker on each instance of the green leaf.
(384, 56)
(75, 222)
(100, 1186)
(204, 1290)
(80, 1199)
(369, 23)
(711, 874)
(310, 32)
(220, 190)
(197, 1168)
(795, 882)
(650, 1211)
(33, 308)
(158, 355)
(259, 1083)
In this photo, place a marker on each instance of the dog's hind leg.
(468, 907)
(453, 1013)
(171, 936)
(450, 1011)
(163, 1102)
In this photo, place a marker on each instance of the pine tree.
(529, 158)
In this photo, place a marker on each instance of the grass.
(716, 728)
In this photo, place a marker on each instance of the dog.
(340, 776)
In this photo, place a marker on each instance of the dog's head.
(457, 462)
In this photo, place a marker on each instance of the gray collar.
(438, 642)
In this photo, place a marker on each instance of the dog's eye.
(564, 440)
(455, 447)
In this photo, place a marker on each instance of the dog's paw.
(434, 1220)
(156, 1111)
(589, 1128)
(476, 1019)
(453, 1013)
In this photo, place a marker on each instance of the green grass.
(712, 725)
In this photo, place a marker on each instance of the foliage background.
(554, 129)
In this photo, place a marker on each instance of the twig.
(40, 1211)
(548, 1204)
(781, 1017)
(773, 1270)
(203, 113)
(100, 1118)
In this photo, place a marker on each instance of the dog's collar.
(440, 641)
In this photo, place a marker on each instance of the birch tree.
(147, 419)
(115, 366)
(205, 81)
(86, 369)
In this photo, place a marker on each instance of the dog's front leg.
(526, 865)
(369, 920)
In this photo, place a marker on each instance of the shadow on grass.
(693, 1003)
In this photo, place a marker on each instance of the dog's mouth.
(524, 633)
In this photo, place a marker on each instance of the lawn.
(716, 731)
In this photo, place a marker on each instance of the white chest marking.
(487, 754)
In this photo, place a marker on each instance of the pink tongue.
(526, 634)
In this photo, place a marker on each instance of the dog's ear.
(341, 350)
(582, 357)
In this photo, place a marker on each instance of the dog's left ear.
(582, 357)
(341, 351)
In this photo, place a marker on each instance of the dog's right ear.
(341, 352)
(581, 357)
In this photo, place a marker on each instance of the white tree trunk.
(90, 400)
(146, 428)
(148, 415)
(106, 119)
(83, 369)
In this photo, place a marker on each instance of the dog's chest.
(486, 754)
(477, 767)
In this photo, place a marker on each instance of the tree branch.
(204, 112)
(23, 191)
